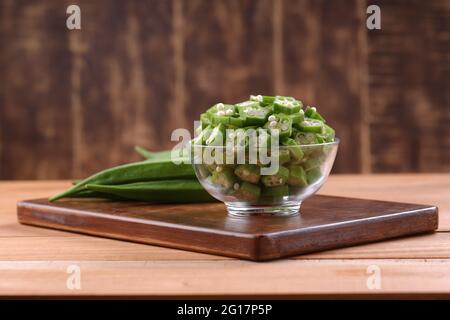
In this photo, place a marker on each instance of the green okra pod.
(164, 191)
(159, 155)
(95, 194)
(134, 172)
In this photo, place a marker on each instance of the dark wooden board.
(325, 222)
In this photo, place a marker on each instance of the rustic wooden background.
(74, 102)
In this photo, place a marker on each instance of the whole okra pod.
(165, 191)
(134, 172)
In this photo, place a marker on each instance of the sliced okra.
(205, 119)
(276, 192)
(280, 122)
(216, 137)
(253, 113)
(328, 133)
(246, 191)
(233, 122)
(247, 104)
(298, 117)
(294, 149)
(313, 175)
(224, 177)
(248, 172)
(225, 114)
(287, 105)
(297, 176)
(239, 139)
(311, 125)
(222, 110)
(310, 163)
(320, 138)
(278, 179)
(305, 138)
(311, 112)
(284, 156)
(264, 100)
(202, 136)
(264, 139)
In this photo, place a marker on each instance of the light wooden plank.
(86, 248)
(429, 246)
(286, 277)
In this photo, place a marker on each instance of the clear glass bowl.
(247, 192)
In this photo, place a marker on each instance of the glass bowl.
(250, 188)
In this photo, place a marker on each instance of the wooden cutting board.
(325, 222)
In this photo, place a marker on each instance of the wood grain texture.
(409, 66)
(64, 246)
(227, 52)
(123, 88)
(291, 278)
(34, 92)
(325, 222)
(74, 102)
(322, 61)
(35, 260)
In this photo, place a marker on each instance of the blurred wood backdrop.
(74, 102)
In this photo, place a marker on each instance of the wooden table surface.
(37, 261)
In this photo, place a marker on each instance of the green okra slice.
(263, 100)
(203, 136)
(217, 136)
(286, 105)
(311, 112)
(311, 125)
(311, 162)
(313, 175)
(134, 172)
(222, 110)
(247, 104)
(246, 191)
(327, 134)
(280, 122)
(225, 114)
(205, 119)
(278, 179)
(294, 149)
(305, 138)
(275, 192)
(233, 122)
(297, 118)
(248, 172)
(224, 177)
(307, 141)
(253, 113)
(297, 176)
(284, 156)
(168, 191)
(264, 139)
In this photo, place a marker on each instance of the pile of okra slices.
(296, 127)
